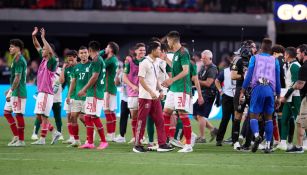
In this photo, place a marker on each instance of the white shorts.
(77, 106)
(67, 107)
(17, 105)
(109, 104)
(93, 106)
(133, 103)
(43, 104)
(178, 101)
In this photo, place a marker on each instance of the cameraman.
(238, 72)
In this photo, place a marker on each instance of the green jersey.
(68, 74)
(111, 68)
(19, 66)
(81, 72)
(193, 69)
(181, 58)
(97, 90)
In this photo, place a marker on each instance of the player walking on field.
(110, 93)
(17, 94)
(65, 78)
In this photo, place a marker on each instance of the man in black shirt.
(301, 84)
(206, 76)
(238, 72)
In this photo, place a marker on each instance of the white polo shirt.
(148, 69)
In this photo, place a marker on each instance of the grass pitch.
(119, 159)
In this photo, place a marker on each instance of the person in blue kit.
(263, 76)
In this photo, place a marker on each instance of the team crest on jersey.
(87, 69)
(176, 58)
(234, 67)
(77, 69)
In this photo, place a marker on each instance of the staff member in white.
(227, 93)
(149, 100)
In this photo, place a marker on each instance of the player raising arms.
(45, 78)
(110, 93)
(17, 94)
(94, 91)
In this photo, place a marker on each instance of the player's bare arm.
(46, 44)
(34, 39)
(71, 89)
(183, 73)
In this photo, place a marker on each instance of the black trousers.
(124, 115)
(228, 111)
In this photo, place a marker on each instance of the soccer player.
(130, 77)
(56, 107)
(206, 77)
(79, 79)
(176, 126)
(17, 94)
(238, 73)
(65, 78)
(263, 75)
(45, 80)
(300, 84)
(178, 97)
(94, 91)
(150, 94)
(292, 99)
(110, 105)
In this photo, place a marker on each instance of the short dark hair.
(138, 45)
(72, 53)
(114, 46)
(82, 47)
(164, 47)
(155, 39)
(17, 43)
(249, 42)
(94, 45)
(266, 45)
(174, 35)
(152, 46)
(277, 48)
(303, 48)
(291, 51)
